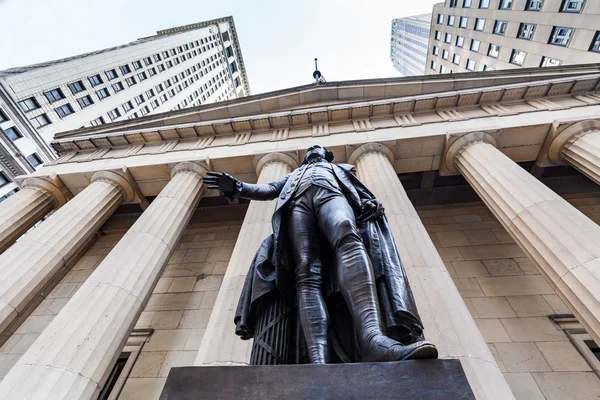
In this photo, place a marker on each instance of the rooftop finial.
(317, 74)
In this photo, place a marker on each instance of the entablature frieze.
(416, 129)
(363, 116)
(416, 148)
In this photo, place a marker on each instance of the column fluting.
(22, 210)
(447, 321)
(561, 241)
(50, 249)
(579, 146)
(220, 345)
(74, 355)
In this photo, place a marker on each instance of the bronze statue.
(330, 269)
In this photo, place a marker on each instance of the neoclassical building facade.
(489, 181)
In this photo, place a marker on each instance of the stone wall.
(180, 306)
(177, 311)
(510, 301)
(54, 301)
(508, 298)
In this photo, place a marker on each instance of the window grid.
(526, 31)
(95, 80)
(12, 133)
(40, 121)
(33, 160)
(595, 46)
(54, 95)
(560, 36)
(98, 121)
(572, 6)
(517, 57)
(493, 50)
(549, 62)
(117, 87)
(64, 110)
(534, 5)
(114, 114)
(128, 106)
(479, 24)
(111, 74)
(76, 87)
(85, 101)
(102, 93)
(500, 27)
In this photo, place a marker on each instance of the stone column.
(50, 249)
(448, 323)
(74, 355)
(579, 145)
(562, 242)
(220, 345)
(37, 197)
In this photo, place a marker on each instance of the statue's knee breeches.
(309, 276)
(344, 236)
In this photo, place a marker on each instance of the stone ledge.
(418, 379)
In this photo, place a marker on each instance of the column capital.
(122, 179)
(199, 167)
(51, 185)
(568, 134)
(370, 148)
(276, 157)
(457, 144)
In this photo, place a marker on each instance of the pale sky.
(279, 38)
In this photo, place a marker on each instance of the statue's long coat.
(273, 269)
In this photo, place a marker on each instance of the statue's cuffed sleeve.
(266, 191)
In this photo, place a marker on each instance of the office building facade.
(408, 44)
(482, 35)
(21, 148)
(176, 68)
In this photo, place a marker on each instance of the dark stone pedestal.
(418, 379)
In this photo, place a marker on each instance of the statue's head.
(316, 153)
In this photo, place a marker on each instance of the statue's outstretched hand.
(227, 184)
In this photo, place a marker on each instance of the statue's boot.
(357, 284)
(382, 348)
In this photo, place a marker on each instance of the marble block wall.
(180, 306)
(508, 298)
(50, 306)
(177, 311)
(510, 301)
